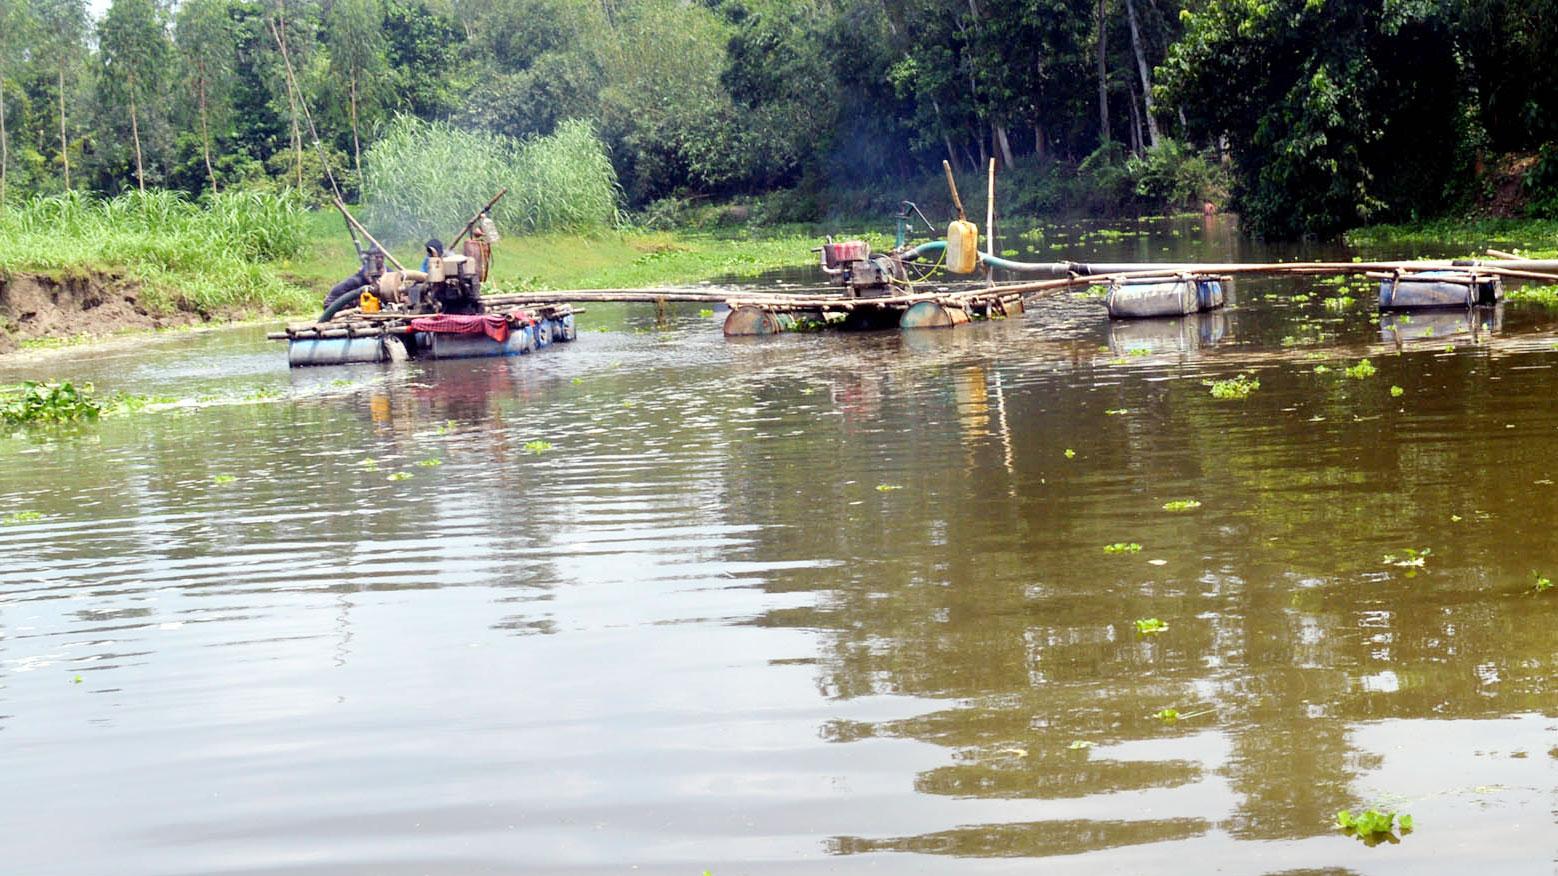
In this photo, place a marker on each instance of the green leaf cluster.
(1236, 387)
(34, 403)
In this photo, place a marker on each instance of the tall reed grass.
(211, 255)
(425, 179)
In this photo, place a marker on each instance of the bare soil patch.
(43, 306)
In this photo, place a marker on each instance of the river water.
(810, 603)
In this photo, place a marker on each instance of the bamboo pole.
(990, 213)
(358, 225)
(990, 224)
(477, 218)
(952, 184)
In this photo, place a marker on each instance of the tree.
(206, 39)
(1327, 123)
(13, 35)
(423, 47)
(354, 38)
(62, 31)
(134, 51)
(1146, 78)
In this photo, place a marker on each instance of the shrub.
(425, 179)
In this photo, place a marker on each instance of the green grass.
(213, 256)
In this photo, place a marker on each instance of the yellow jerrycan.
(962, 235)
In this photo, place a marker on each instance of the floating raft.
(354, 337)
(1435, 289)
(772, 314)
(1150, 297)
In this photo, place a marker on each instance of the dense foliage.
(1320, 114)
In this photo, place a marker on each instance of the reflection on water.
(812, 603)
(1182, 334)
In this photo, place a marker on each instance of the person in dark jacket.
(367, 275)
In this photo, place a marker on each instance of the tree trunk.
(356, 141)
(205, 130)
(5, 142)
(1103, 76)
(1004, 143)
(1146, 77)
(1039, 149)
(135, 134)
(64, 141)
(945, 137)
(1136, 146)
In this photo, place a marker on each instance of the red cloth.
(491, 324)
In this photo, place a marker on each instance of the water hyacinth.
(424, 179)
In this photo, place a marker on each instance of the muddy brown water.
(812, 603)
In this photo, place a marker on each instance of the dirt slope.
(40, 306)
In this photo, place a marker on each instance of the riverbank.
(71, 269)
(59, 307)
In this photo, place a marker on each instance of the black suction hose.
(339, 305)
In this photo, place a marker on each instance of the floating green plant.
(888, 488)
(223, 480)
(1182, 505)
(16, 517)
(1121, 547)
(1080, 745)
(1364, 369)
(1071, 454)
(1115, 412)
(400, 476)
(1321, 369)
(1372, 826)
(1167, 716)
(430, 462)
(1408, 558)
(1235, 387)
(537, 447)
(706, 312)
(368, 463)
(446, 428)
(1397, 392)
(35, 403)
(1146, 625)
(1542, 584)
